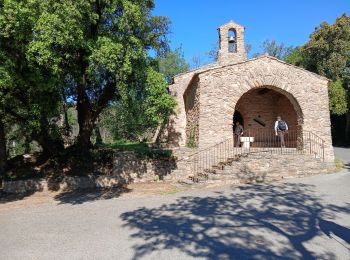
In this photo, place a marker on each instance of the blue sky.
(194, 22)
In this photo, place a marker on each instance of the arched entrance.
(259, 108)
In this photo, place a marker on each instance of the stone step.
(258, 167)
(218, 167)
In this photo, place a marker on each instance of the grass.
(339, 164)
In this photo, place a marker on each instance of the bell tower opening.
(231, 47)
(232, 40)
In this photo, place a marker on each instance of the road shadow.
(330, 228)
(89, 195)
(7, 198)
(271, 221)
(347, 166)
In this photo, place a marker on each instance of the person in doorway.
(281, 128)
(238, 132)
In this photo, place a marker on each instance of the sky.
(195, 22)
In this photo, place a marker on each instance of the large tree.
(328, 53)
(93, 47)
(28, 94)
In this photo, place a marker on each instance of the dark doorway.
(237, 116)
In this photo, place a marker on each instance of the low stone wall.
(68, 183)
(127, 168)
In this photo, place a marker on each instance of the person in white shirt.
(281, 129)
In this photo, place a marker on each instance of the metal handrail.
(296, 142)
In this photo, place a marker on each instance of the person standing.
(281, 129)
(238, 133)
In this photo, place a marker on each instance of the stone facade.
(261, 88)
(192, 105)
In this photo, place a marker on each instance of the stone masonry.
(208, 97)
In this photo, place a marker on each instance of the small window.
(232, 41)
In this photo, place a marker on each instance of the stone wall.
(175, 134)
(192, 106)
(221, 88)
(127, 168)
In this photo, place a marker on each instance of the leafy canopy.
(328, 53)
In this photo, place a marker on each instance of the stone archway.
(259, 108)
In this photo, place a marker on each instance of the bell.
(231, 39)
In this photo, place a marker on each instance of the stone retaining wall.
(264, 167)
(127, 168)
(68, 183)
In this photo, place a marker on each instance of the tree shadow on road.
(7, 198)
(256, 222)
(89, 195)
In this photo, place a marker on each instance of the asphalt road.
(343, 154)
(305, 218)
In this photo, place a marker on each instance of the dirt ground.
(16, 201)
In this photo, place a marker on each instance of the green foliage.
(72, 116)
(139, 110)
(338, 100)
(28, 94)
(328, 51)
(339, 164)
(172, 63)
(159, 104)
(82, 54)
(191, 141)
(295, 57)
(275, 49)
(124, 120)
(88, 52)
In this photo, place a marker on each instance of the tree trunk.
(159, 132)
(87, 114)
(98, 136)
(86, 119)
(50, 144)
(3, 154)
(156, 134)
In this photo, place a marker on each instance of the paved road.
(343, 154)
(305, 218)
(298, 219)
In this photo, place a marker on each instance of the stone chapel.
(252, 91)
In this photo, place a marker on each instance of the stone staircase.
(258, 167)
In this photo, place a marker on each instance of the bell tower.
(231, 43)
